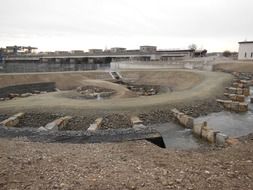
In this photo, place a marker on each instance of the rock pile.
(94, 92)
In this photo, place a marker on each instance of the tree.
(227, 53)
(192, 46)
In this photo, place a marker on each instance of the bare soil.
(128, 165)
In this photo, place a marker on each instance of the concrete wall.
(27, 88)
(50, 67)
(245, 51)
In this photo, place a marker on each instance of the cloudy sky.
(216, 25)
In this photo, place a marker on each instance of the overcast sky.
(216, 25)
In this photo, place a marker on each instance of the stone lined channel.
(231, 123)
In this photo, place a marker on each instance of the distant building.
(118, 50)
(148, 49)
(95, 50)
(77, 51)
(61, 52)
(245, 50)
(20, 49)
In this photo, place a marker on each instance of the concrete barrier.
(58, 123)
(233, 105)
(183, 119)
(13, 120)
(94, 126)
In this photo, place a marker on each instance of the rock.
(26, 95)
(13, 120)
(58, 123)
(41, 129)
(243, 107)
(197, 129)
(136, 120)
(232, 141)
(221, 138)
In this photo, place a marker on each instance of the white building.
(245, 50)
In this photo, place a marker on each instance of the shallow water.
(230, 123)
(177, 137)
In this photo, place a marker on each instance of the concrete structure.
(98, 56)
(245, 50)
(93, 51)
(117, 50)
(148, 49)
(20, 49)
(77, 51)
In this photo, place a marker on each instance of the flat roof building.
(245, 50)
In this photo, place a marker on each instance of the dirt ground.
(129, 165)
(237, 67)
(204, 86)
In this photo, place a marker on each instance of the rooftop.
(246, 42)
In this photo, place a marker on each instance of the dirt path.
(129, 165)
(211, 85)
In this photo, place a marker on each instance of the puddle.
(177, 137)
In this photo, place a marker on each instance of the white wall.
(245, 48)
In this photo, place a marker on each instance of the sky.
(215, 25)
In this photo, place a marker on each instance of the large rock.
(136, 120)
(13, 120)
(183, 119)
(197, 128)
(97, 124)
(58, 123)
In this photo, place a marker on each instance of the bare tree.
(192, 46)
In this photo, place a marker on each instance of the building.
(117, 50)
(148, 49)
(20, 49)
(245, 50)
(77, 51)
(95, 51)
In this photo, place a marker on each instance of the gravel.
(114, 121)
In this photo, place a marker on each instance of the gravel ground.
(194, 109)
(114, 121)
(129, 165)
(36, 120)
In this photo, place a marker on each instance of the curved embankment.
(188, 86)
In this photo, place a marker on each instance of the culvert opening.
(158, 141)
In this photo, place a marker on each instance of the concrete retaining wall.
(27, 88)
